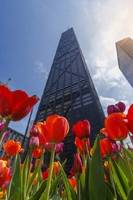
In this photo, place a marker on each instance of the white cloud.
(106, 22)
(41, 70)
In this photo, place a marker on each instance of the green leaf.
(87, 175)
(66, 183)
(25, 173)
(124, 164)
(31, 179)
(120, 180)
(39, 192)
(130, 194)
(97, 189)
(15, 192)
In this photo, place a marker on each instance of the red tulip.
(106, 147)
(82, 129)
(45, 175)
(54, 129)
(15, 104)
(37, 152)
(130, 118)
(77, 165)
(82, 145)
(115, 127)
(41, 130)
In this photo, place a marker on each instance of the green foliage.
(97, 189)
(91, 183)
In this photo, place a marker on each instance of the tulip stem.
(78, 189)
(50, 172)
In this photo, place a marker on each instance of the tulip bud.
(112, 109)
(121, 106)
(34, 131)
(116, 147)
(58, 147)
(81, 129)
(34, 141)
(37, 152)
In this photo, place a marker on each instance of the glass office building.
(69, 90)
(125, 58)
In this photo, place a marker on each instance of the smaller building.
(125, 58)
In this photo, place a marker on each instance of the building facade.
(125, 58)
(69, 90)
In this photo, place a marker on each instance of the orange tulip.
(15, 104)
(81, 129)
(73, 182)
(56, 168)
(53, 130)
(115, 127)
(12, 148)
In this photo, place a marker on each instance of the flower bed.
(103, 171)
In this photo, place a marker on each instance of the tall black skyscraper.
(69, 90)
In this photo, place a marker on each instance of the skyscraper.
(125, 58)
(69, 90)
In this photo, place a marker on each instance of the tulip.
(56, 168)
(130, 119)
(12, 148)
(45, 175)
(82, 129)
(116, 147)
(115, 127)
(53, 130)
(119, 107)
(5, 174)
(15, 104)
(34, 141)
(34, 131)
(106, 147)
(82, 145)
(77, 165)
(58, 147)
(72, 182)
(37, 152)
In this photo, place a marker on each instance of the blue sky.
(29, 35)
